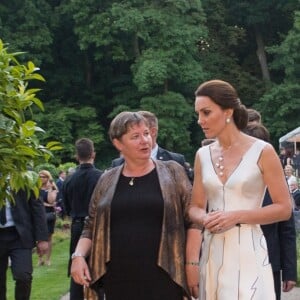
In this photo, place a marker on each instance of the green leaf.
(19, 145)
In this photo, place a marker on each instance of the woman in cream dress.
(231, 176)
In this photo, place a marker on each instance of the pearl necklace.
(131, 182)
(220, 166)
(220, 163)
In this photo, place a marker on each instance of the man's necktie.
(3, 215)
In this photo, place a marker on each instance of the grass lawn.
(49, 282)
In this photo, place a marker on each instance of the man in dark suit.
(59, 200)
(281, 242)
(280, 236)
(22, 227)
(77, 191)
(158, 152)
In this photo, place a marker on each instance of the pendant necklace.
(145, 170)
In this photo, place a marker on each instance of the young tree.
(20, 149)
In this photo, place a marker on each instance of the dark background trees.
(101, 57)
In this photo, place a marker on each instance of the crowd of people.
(152, 227)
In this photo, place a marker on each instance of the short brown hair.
(151, 118)
(123, 121)
(253, 115)
(259, 131)
(84, 149)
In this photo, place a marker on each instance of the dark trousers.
(76, 290)
(21, 264)
(277, 284)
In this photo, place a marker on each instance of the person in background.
(48, 194)
(189, 171)
(158, 152)
(71, 171)
(135, 232)
(59, 201)
(280, 236)
(289, 173)
(283, 157)
(231, 176)
(77, 191)
(254, 116)
(294, 189)
(22, 227)
(296, 162)
(290, 154)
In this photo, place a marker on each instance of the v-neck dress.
(234, 264)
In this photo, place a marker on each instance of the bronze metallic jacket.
(176, 191)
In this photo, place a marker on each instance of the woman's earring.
(228, 120)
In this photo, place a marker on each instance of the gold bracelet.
(193, 263)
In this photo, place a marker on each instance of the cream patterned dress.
(234, 265)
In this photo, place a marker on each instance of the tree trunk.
(88, 70)
(261, 55)
(136, 48)
(166, 86)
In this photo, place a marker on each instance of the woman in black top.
(135, 232)
(48, 194)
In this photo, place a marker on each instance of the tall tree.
(221, 52)
(264, 21)
(26, 26)
(152, 47)
(281, 104)
(112, 55)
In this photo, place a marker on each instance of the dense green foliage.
(101, 57)
(282, 101)
(20, 149)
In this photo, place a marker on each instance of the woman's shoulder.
(266, 151)
(168, 164)
(167, 168)
(109, 175)
(263, 145)
(204, 150)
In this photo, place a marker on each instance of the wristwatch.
(77, 254)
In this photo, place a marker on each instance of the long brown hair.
(224, 94)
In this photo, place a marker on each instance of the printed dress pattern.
(234, 264)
